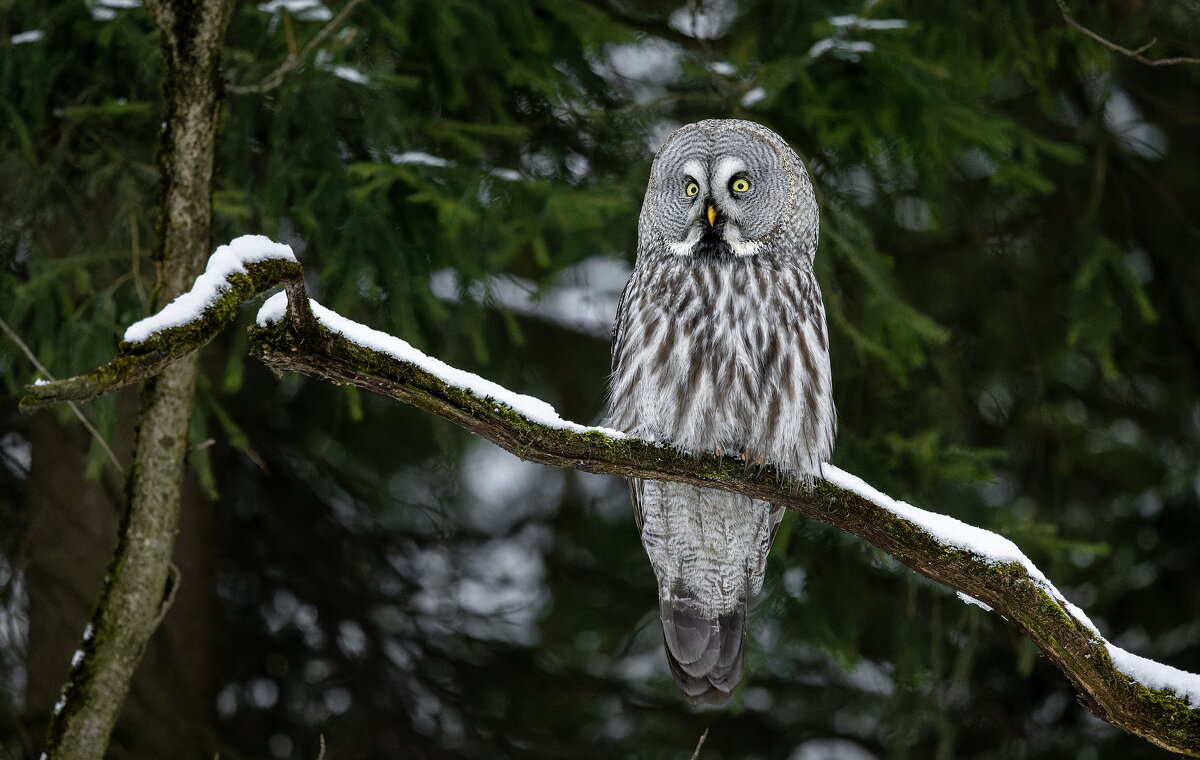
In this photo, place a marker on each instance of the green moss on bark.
(138, 361)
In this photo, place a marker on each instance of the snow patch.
(967, 599)
(226, 260)
(753, 96)
(305, 10)
(33, 35)
(857, 22)
(993, 548)
(705, 21)
(850, 50)
(421, 158)
(350, 74)
(844, 49)
(508, 175)
(1156, 675)
(17, 452)
(831, 749)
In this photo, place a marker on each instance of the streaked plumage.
(720, 345)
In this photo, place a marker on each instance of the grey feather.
(704, 654)
(720, 344)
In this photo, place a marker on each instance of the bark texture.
(140, 580)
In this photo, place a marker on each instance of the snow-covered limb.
(998, 551)
(533, 409)
(243, 269)
(1152, 700)
(211, 285)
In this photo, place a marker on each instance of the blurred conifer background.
(1010, 256)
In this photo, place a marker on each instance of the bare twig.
(699, 744)
(87, 423)
(205, 444)
(1135, 54)
(275, 78)
(174, 577)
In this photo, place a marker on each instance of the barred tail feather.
(703, 652)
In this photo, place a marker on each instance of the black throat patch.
(712, 243)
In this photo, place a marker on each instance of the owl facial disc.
(727, 190)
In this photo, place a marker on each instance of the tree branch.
(1127, 52)
(1151, 700)
(145, 359)
(275, 78)
(83, 418)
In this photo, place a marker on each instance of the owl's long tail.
(704, 652)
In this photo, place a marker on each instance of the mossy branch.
(298, 341)
(139, 361)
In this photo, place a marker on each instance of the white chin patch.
(740, 247)
(733, 237)
(684, 247)
(745, 247)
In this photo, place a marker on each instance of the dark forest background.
(1010, 256)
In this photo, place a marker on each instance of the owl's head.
(726, 187)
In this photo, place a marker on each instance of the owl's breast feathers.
(728, 354)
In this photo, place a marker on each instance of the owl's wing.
(776, 518)
(635, 498)
(622, 318)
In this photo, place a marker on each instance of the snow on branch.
(247, 267)
(293, 333)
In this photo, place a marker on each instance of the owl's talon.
(748, 458)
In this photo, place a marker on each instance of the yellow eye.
(740, 185)
(692, 189)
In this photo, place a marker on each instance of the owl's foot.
(757, 461)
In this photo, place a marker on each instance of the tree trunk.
(140, 581)
(170, 711)
(68, 542)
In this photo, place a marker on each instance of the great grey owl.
(720, 345)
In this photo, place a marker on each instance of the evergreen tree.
(1008, 233)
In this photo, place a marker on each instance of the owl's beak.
(712, 216)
